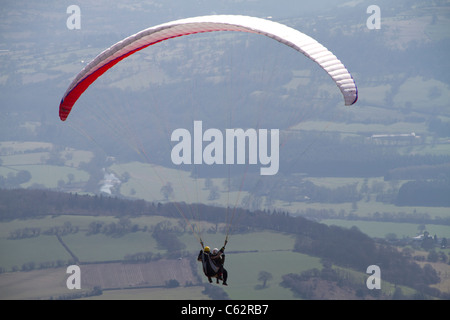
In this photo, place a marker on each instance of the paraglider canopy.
(282, 33)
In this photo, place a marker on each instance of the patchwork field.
(247, 255)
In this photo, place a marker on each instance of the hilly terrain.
(381, 166)
(128, 245)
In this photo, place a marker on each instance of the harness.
(209, 267)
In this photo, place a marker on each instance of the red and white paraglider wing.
(284, 34)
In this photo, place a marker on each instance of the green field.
(243, 270)
(37, 250)
(36, 284)
(104, 248)
(182, 293)
(381, 229)
(361, 128)
(51, 221)
(47, 175)
(146, 181)
(97, 247)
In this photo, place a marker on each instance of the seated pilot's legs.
(225, 276)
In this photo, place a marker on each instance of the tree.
(71, 178)
(444, 243)
(421, 228)
(398, 294)
(172, 283)
(427, 241)
(433, 256)
(264, 276)
(208, 183)
(213, 193)
(167, 191)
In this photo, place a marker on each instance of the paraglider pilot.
(212, 263)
